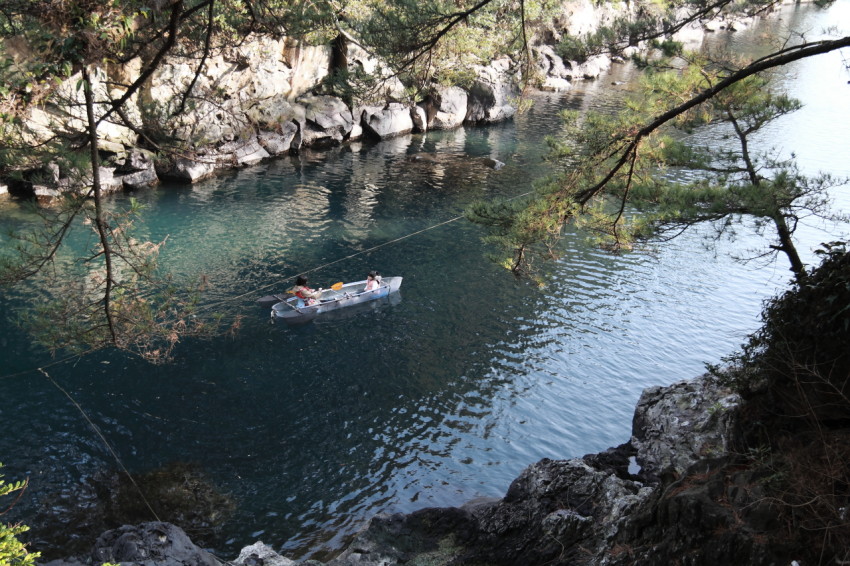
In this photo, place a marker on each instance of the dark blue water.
(445, 395)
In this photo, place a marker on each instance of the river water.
(441, 396)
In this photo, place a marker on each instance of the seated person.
(306, 295)
(373, 281)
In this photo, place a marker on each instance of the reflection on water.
(437, 399)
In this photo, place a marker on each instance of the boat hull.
(349, 295)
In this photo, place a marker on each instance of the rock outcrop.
(578, 511)
(258, 100)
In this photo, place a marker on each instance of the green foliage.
(623, 182)
(624, 31)
(580, 49)
(12, 551)
(146, 313)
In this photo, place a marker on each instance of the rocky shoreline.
(675, 491)
(265, 99)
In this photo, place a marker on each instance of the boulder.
(490, 96)
(241, 153)
(446, 108)
(592, 68)
(392, 120)
(140, 179)
(137, 170)
(273, 113)
(259, 554)
(187, 170)
(327, 121)
(109, 182)
(157, 543)
(45, 193)
(277, 143)
(676, 426)
(554, 84)
(550, 63)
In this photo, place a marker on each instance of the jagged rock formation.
(578, 511)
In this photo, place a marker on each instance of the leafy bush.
(12, 551)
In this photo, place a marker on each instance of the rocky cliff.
(264, 98)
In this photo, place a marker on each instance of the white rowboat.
(350, 294)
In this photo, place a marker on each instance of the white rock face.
(261, 554)
(491, 97)
(242, 153)
(390, 121)
(450, 104)
(554, 84)
(254, 101)
(389, 89)
(308, 64)
(327, 120)
(278, 143)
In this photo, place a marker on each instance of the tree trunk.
(100, 222)
(786, 245)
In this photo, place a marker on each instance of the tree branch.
(773, 60)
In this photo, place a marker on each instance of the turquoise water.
(443, 396)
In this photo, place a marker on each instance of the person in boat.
(373, 281)
(306, 296)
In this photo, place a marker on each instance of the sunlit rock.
(278, 143)
(187, 170)
(259, 554)
(392, 120)
(554, 84)
(158, 543)
(327, 120)
(492, 94)
(446, 108)
(241, 153)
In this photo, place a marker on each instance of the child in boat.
(306, 295)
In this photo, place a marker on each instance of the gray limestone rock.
(162, 544)
(676, 426)
(392, 120)
(259, 554)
